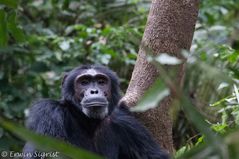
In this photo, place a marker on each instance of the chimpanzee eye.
(101, 81)
(84, 82)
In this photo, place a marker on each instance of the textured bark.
(169, 29)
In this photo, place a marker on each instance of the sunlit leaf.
(105, 59)
(166, 59)
(152, 97)
(222, 85)
(236, 93)
(64, 45)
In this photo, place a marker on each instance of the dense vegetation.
(42, 39)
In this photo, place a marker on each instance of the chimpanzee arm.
(45, 118)
(135, 141)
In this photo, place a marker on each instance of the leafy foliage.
(40, 40)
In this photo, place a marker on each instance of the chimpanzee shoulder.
(46, 117)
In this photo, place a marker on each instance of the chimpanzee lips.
(96, 104)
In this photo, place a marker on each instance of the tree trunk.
(170, 27)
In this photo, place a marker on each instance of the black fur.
(118, 136)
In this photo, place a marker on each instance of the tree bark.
(169, 29)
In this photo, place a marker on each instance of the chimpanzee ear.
(64, 78)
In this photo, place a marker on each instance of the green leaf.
(10, 3)
(214, 141)
(152, 97)
(181, 151)
(195, 152)
(65, 4)
(47, 143)
(15, 31)
(3, 29)
(233, 144)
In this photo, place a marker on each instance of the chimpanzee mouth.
(96, 104)
(96, 110)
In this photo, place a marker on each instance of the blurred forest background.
(40, 40)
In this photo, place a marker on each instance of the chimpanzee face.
(93, 91)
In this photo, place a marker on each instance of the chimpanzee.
(88, 116)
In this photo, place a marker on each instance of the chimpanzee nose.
(94, 91)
